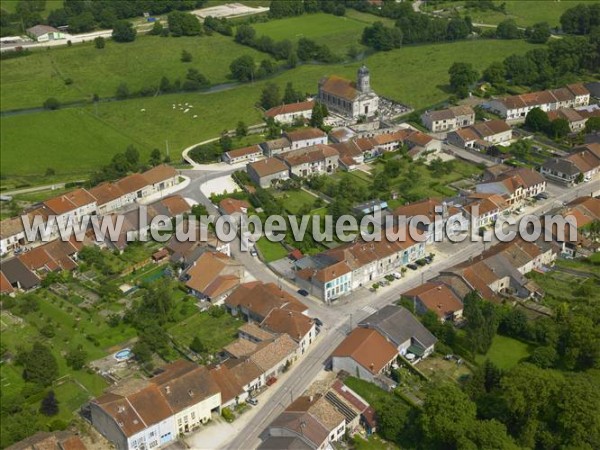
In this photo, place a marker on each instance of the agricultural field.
(339, 33)
(78, 140)
(505, 352)
(28, 81)
(524, 12)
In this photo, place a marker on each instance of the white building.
(304, 137)
(448, 119)
(44, 33)
(291, 112)
(314, 160)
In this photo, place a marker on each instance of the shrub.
(99, 42)
(51, 104)
(228, 415)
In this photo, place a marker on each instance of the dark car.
(303, 292)
(318, 322)
(412, 266)
(421, 262)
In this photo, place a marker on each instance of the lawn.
(339, 33)
(76, 141)
(505, 352)
(296, 201)
(214, 332)
(373, 442)
(271, 251)
(524, 12)
(29, 81)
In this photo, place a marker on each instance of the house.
(419, 143)
(387, 142)
(438, 298)
(109, 197)
(581, 165)
(313, 160)
(70, 207)
(515, 107)
(482, 135)
(584, 211)
(515, 185)
(256, 300)
(309, 422)
(44, 440)
(160, 178)
(273, 356)
(141, 414)
(370, 207)
(251, 153)
(354, 408)
(267, 172)
(403, 330)
(44, 33)
(232, 392)
(19, 277)
(291, 112)
(301, 328)
(134, 187)
(233, 207)
(484, 209)
(328, 282)
(6, 287)
(51, 257)
(347, 98)
(12, 234)
(443, 219)
(576, 120)
(276, 146)
(341, 134)
(305, 137)
(364, 353)
(448, 119)
(214, 276)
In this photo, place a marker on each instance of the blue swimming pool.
(123, 355)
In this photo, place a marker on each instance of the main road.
(340, 317)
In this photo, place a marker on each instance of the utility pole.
(167, 145)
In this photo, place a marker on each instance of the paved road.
(344, 314)
(40, 188)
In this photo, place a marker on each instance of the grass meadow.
(505, 352)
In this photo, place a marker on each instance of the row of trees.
(271, 95)
(244, 68)
(539, 33)
(289, 8)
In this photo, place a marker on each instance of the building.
(109, 197)
(438, 298)
(482, 135)
(364, 353)
(143, 414)
(56, 440)
(443, 219)
(18, 276)
(515, 107)
(251, 153)
(584, 211)
(484, 209)
(515, 185)
(313, 160)
(214, 276)
(328, 281)
(70, 207)
(44, 33)
(576, 120)
(12, 234)
(256, 300)
(276, 146)
(160, 178)
(291, 112)
(301, 328)
(267, 172)
(304, 137)
(581, 165)
(309, 422)
(347, 98)
(448, 119)
(233, 207)
(403, 330)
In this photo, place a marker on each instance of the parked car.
(396, 275)
(271, 381)
(302, 292)
(412, 266)
(253, 252)
(318, 322)
(252, 401)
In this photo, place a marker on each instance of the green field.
(75, 140)
(339, 33)
(11, 6)
(525, 13)
(215, 333)
(296, 201)
(505, 352)
(29, 81)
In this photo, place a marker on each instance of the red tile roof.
(290, 108)
(368, 348)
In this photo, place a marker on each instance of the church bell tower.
(363, 81)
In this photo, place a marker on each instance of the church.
(347, 98)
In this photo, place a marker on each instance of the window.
(193, 415)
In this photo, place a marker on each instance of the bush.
(123, 31)
(99, 42)
(51, 104)
(228, 415)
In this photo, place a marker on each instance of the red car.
(271, 381)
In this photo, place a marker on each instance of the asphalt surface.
(343, 315)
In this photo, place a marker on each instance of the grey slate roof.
(561, 165)
(399, 325)
(16, 272)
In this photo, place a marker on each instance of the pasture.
(29, 81)
(77, 140)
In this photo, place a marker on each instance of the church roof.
(339, 87)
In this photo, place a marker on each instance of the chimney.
(168, 389)
(191, 393)
(310, 399)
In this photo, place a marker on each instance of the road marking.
(369, 309)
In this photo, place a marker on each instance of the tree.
(539, 33)
(49, 405)
(457, 29)
(245, 35)
(122, 91)
(580, 19)
(155, 157)
(592, 125)
(270, 96)
(292, 60)
(543, 357)
(242, 68)
(494, 74)
(99, 42)
(186, 56)
(132, 155)
(508, 29)
(319, 112)
(157, 28)
(537, 120)
(241, 130)
(482, 323)
(194, 80)
(76, 358)
(291, 95)
(198, 346)
(183, 24)
(51, 104)
(559, 128)
(39, 365)
(225, 142)
(462, 77)
(123, 31)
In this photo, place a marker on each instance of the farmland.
(75, 141)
